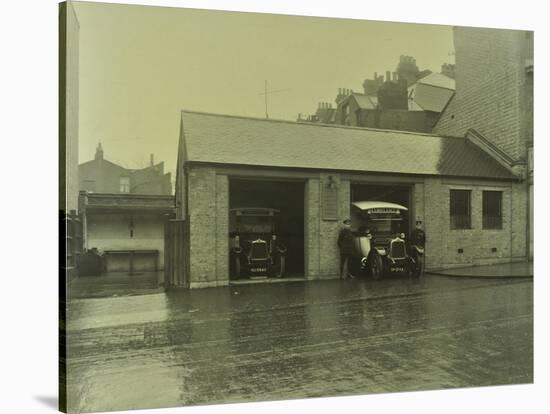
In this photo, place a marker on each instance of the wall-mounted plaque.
(330, 202)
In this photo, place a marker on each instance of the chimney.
(375, 75)
(152, 160)
(394, 76)
(388, 76)
(99, 152)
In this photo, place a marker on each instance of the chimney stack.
(99, 152)
(152, 160)
(388, 76)
(394, 76)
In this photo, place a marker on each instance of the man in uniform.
(346, 241)
(418, 236)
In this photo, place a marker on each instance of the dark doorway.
(286, 196)
(390, 193)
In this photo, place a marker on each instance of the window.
(124, 184)
(460, 209)
(492, 209)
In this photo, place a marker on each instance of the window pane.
(492, 209)
(124, 184)
(460, 209)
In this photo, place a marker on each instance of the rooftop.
(234, 140)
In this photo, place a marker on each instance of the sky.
(141, 65)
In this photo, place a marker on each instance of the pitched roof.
(365, 101)
(432, 93)
(439, 80)
(430, 98)
(233, 140)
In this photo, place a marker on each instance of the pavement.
(507, 270)
(114, 284)
(297, 340)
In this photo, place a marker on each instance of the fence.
(176, 253)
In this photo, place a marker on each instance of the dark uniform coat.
(418, 237)
(346, 241)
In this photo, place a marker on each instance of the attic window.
(124, 184)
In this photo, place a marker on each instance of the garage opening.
(399, 194)
(266, 222)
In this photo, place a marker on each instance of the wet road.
(296, 340)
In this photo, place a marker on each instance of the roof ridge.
(317, 124)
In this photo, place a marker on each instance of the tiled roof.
(234, 140)
(413, 106)
(365, 101)
(439, 80)
(430, 98)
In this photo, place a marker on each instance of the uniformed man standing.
(418, 236)
(346, 242)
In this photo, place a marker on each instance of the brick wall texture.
(209, 212)
(493, 90)
(443, 243)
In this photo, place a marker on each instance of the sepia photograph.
(264, 206)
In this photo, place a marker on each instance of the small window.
(460, 209)
(492, 209)
(124, 184)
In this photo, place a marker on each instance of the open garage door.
(399, 194)
(271, 205)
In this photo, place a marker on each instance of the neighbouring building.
(397, 105)
(405, 100)
(103, 176)
(124, 213)
(464, 193)
(128, 228)
(494, 102)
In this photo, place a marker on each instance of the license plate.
(258, 269)
(397, 269)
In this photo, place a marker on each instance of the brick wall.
(209, 227)
(477, 243)
(222, 230)
(202, 222)
(322, 255)
(490, 88)
(209, 203)
(312, 220)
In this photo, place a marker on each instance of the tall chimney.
(388, 76)
(375, 75)
(99, 152)
(152, 160)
